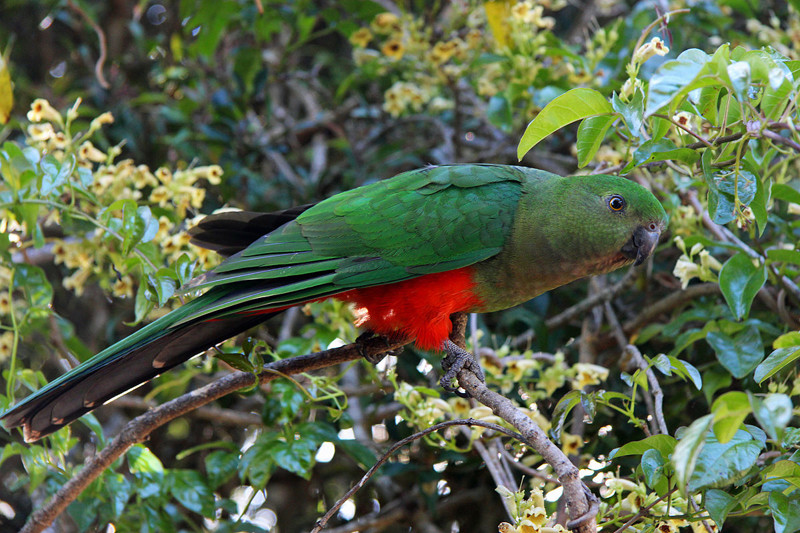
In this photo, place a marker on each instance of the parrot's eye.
(616, 202)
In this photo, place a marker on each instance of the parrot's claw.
(378, 357)
(456, 360)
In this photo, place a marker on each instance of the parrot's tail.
(120, 368)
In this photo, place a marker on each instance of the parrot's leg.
(456, 360)
(378, 357)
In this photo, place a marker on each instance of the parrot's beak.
(641, 244)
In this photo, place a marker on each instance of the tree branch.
(582, 504)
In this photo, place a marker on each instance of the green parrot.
(408, 252)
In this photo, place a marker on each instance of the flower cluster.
(668, 512)
(686, 269)
(98, 181)
(529, 514)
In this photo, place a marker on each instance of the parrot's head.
(620, 221)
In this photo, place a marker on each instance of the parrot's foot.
(456, 360)
(378, 357)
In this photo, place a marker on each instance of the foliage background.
(263, 105)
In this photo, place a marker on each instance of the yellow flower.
(588, 374)
(88, 152)
(59, 141)
(105, 118)
(164, 227)
(571, 444)
(5, 303)
(123, 287)
(393, 49)
(214, 174)
(649, 49)
(41, 110)
(440, 53)
(76, 281)
(361, 38)
(685, 270)
(683, 118)
(384, 23)
(41, 132)
(164, 175)
(519, 367)
(142, 177)
(160, 195)
(6, 345)
(459, 406)
(197, 196)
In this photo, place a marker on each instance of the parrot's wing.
(421, 222)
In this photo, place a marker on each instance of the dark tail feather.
(233, 231)
(43, 414)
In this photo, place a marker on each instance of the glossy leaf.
(570, 107)
(591, 133)
(775, 362)
(729, 410)
(740, 280)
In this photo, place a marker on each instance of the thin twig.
(528, 470)
(667, 304)
(655, 388)
(396, 446)
(643, 511)
(622, 341)
(101, 41)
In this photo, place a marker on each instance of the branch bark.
(582, 504)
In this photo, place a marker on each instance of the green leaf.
(55, 173)
(688, 448)
(773, 413)
(665, 444)
(499, 113)
(759, 205)
(777, 360)
(296, 456)
(776, 94)
(591, 133)
(661, 150)
(673, 80)
(221, 466)
(720, 464)
(561, 410)
(258, 461)
(653, 468)
(686, 370)
(569, 107)
(779, 255)
(785, 512)
(781, 191)
(739, 354)
(740, 280)
(632, 113)
(236, 360)
(190, 489)
(723, 192)
(729, 410)
(718, 505)
(142, 460)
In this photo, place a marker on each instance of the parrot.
(407, 252)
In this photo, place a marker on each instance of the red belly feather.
(418, 308)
